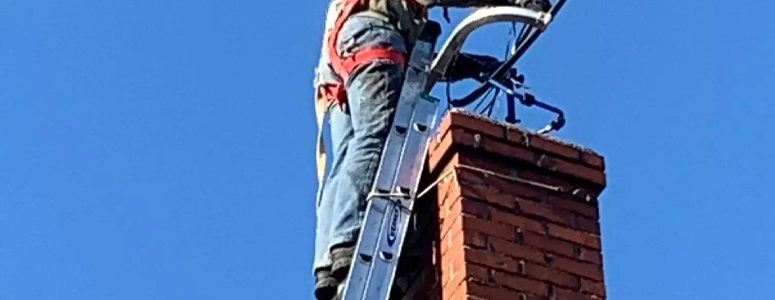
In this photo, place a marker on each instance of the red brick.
(594, 272)
(454, 240)
(500, 216)
(450, 207)
(491, 145)
(444, 188)
(574, 169)
(451, 226)
(462, 137)
(516, 250)
(452, 272)
(593, 159)
(521, 284)
(477, 124)
(437, 137)
(514, 188)
(493, 138)
(590, 256)
(587, 225)
(445, 124)
(491, 293)
(458, 270)
(434, 141)
(584, 209)
(569, 218)
(468, 176)
(489, 228)
(436, 156)
(545, 212)
(475, 208)
(554, 147)
(593, 287)
(542, 273)
(459, 296)
(543, 179)
(501, 200)
(517, 135)
(492, 197)
(564, 294)
(467, 206)
(504, 149)
(492, 223)
(453, 194)
(459, 292)
(474, 239)
(478, 273)
(454, 284)
(491, 259)
(579, 237)
(470, 158)
(542, 242)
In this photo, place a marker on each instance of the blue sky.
(164, 149)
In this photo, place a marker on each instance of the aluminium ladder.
(392, 196)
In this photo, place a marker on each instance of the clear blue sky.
(164, 149)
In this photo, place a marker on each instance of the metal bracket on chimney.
(500, 76)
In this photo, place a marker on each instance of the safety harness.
(335, 93)
(347, 65)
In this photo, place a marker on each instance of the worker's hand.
(536, 5)
(468, 66)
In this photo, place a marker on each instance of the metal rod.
(528, 42)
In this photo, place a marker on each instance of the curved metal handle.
(475, 20)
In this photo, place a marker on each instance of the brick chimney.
(512, 215)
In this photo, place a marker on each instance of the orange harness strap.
(345, 66)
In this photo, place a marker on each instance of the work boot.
(325, 285)
(340, 290)
(342, 258)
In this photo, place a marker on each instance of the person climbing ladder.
(358, 82)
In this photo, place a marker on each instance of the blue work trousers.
(359, 130)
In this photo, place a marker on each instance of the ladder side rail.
(379, 201)
(397, 221)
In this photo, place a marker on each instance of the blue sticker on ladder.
(392, 233)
